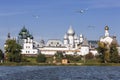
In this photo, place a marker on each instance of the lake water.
(59, 73)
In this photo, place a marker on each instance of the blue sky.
(55, 17)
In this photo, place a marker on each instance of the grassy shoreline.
(58, 64)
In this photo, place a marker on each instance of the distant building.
(72, 44)
(93, 43)
(65, 61)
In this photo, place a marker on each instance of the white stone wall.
(94, 52)
(84, 50)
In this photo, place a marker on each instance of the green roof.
(24, 34)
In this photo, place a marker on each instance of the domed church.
(107, 38)
(25, 39)
(71, 39)
(72, 44)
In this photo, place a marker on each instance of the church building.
(72, 44)
(25, 39)
(107, 38)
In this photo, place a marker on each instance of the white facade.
(71, 45)
(84, 48)
(94, 52)
(28, 47)
(26, 41)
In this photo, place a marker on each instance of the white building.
(25, 39)
(84, 48)
(71, 44)
(109, 39)
(106, 38)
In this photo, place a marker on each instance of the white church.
(71, 44)
(25, 39)
(107, 38)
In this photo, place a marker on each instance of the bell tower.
(106, 31)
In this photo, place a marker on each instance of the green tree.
(41, 58)
(1, 55)
(89, 56)
(106, 56)
(73, 58)
(103, 52)
(59, 56)
(114, 57)
(108, 53)
(13, 51)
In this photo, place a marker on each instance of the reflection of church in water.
(71, 45)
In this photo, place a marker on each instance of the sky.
(50, 19)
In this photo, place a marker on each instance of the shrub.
(41, 58)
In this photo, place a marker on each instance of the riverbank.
(58, 64)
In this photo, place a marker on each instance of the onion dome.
(65, 36)
(106, 28)
(24, 29)
(70, 31)
(81, 36)
(42, 41)
(31, 37)
(24, 34)
(75, 37)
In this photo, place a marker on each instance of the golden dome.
(106, 28)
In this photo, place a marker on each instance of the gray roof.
(85, 42)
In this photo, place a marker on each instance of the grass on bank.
(80, 63)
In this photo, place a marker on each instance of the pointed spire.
(85, 42)
(8, 36)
